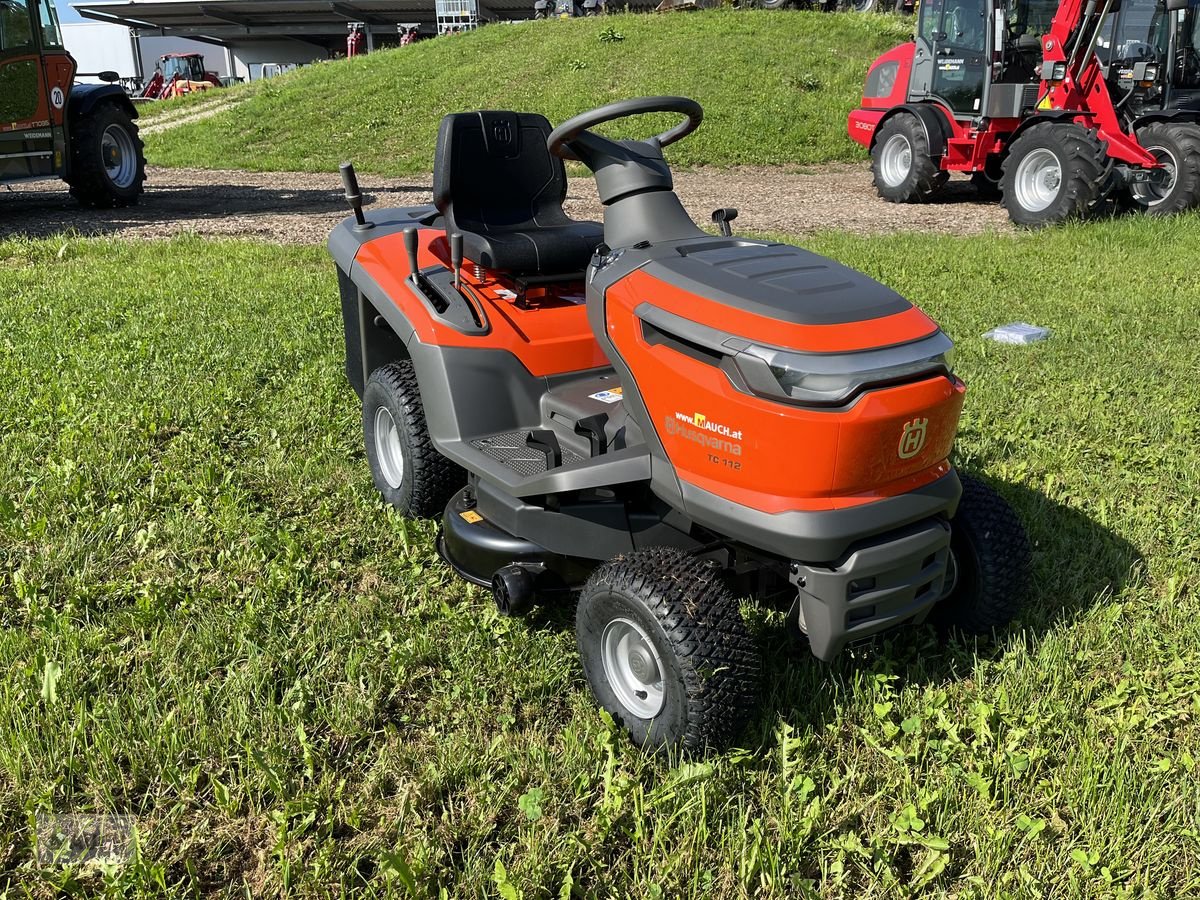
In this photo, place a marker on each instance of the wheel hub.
(388, 448)
(1038, 180)
(895, 160)
(951, 581)
(632, 668)
(118, 156)
(1162, 180)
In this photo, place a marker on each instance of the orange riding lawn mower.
(659, 421)
(1062, 109)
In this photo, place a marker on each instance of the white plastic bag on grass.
(1017, 333)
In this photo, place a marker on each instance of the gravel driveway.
(302, 207)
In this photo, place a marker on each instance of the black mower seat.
(496, 183)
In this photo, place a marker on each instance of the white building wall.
(99, 47)
(249, 56)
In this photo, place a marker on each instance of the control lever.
(593, 428)
(546, 443)
(354, 196)
(456, 257)
(410, 247)
(722, 217)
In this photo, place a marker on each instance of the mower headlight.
(1151, 73)
(833, 379)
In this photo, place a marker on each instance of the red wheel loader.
(1015, 93)
(177, 74)
(53, 128)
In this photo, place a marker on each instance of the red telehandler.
(1015, 93)
(178, 74)
(51, 127)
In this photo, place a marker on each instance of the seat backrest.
(492, 171)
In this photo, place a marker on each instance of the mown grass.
(210, 623)
(776, 88)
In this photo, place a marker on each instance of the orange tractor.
(51, 127)
(177, 74)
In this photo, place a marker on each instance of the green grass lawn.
(776, 88)
(210, 623)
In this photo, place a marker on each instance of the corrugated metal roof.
(231, 19)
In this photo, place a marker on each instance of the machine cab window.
(20, 84)
(955, 31)
(16, 32)
(48, 23)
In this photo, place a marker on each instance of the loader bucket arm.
(1072, 42)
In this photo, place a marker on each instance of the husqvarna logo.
(912, 438)
(502, 132)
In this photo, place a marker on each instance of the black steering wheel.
(571, 129)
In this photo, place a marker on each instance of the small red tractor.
(177, 74)
(1020, 95)
(51, 127)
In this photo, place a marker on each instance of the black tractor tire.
(990, 563)
(408, 472)
(1053, 173)
(1177, 145)
(98, 178)
(692, 633)
(903, 137)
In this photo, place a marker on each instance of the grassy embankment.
(776, 88)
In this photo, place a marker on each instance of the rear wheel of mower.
(666, 651)
(1053, 172)
(108, 165)
(989, 563)
(903, 170)
(1177, 148)
(408, 472)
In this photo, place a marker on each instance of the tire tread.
(435, 478)
(88, 181)
(1186, 136)
(925, 179)
(1003, 555)
(1085, 162)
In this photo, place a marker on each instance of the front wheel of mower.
(1052, 173)
(903, 169)
(408, 472)
(989, 563)
(666, 652)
